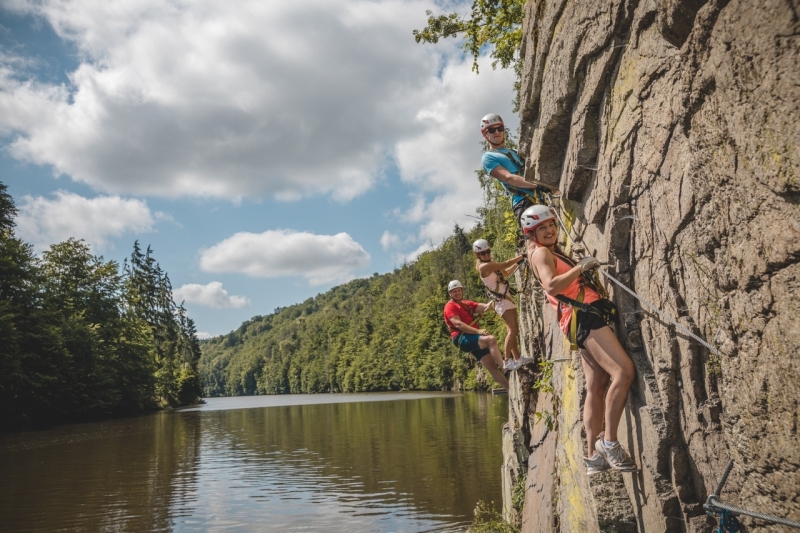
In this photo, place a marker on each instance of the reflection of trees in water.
(122, 475)
(431, 456)
(433, 452)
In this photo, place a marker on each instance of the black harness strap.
(608, 316)
(535, 196)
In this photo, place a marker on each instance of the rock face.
(673, 127)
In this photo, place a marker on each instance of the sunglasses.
(495, 129)
(485, 252)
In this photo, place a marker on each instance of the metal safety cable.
(713, 503)
(683, 329)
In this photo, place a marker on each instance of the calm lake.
(403, 462)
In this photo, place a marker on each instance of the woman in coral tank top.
(584, 317)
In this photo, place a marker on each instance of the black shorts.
(588, 321)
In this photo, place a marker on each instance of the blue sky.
(266, 152)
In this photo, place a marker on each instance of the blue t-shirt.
(493, 158)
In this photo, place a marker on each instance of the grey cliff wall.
(673, 128)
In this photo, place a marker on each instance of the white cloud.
(211, 295)
(43, 221)
(203, 335)
(321, 259)
(441, 160)
(255, 99)
(225, 99)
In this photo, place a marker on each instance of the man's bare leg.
(489, 364)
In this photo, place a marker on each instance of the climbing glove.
(588, 263)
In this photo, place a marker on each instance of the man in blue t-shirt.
(505, 165)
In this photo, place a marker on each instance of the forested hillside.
(81, 338)
(381, 333)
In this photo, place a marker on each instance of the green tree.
(24, 340)
(175, 349)
(81, 292)
(496, 24)
(80, 340)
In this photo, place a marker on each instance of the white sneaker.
(522, 361)
(510, 364)
(596, 464)
(615, 455)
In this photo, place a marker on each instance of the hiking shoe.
(615, 455)
(510, 364)
(595, 465)
(522, 361)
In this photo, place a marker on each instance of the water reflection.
(399, 465)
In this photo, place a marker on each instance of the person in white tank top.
(493, 276)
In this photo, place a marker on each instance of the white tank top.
(491, 283)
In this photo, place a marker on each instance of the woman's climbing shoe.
(522, 361)
(615, 455)
(595, 465)
(510, 364)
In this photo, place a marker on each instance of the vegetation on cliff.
(81, 339)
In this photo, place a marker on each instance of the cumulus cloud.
(211, 295)
(224, 99)
(203, 335)
(257, 99)
(321, 259)
(441, 160)
(44, 221)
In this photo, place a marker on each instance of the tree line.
(381, 333)
(82, 338)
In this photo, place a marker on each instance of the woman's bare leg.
(512, 329)
(606, 350)
(594, 406)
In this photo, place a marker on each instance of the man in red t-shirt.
(459, 315)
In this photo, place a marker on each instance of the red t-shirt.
(464, 310)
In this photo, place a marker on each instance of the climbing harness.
(683, 329)
(495, 293)
(728, 523)
(536, 196)
(609, 316)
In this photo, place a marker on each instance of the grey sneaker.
(522, 361)
(510, 364)
(615, 455)
(595, 465)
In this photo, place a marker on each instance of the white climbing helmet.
(490, 120)
(481, 245)
(535, 215)
(455, 284)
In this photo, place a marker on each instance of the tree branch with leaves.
(493, 23)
